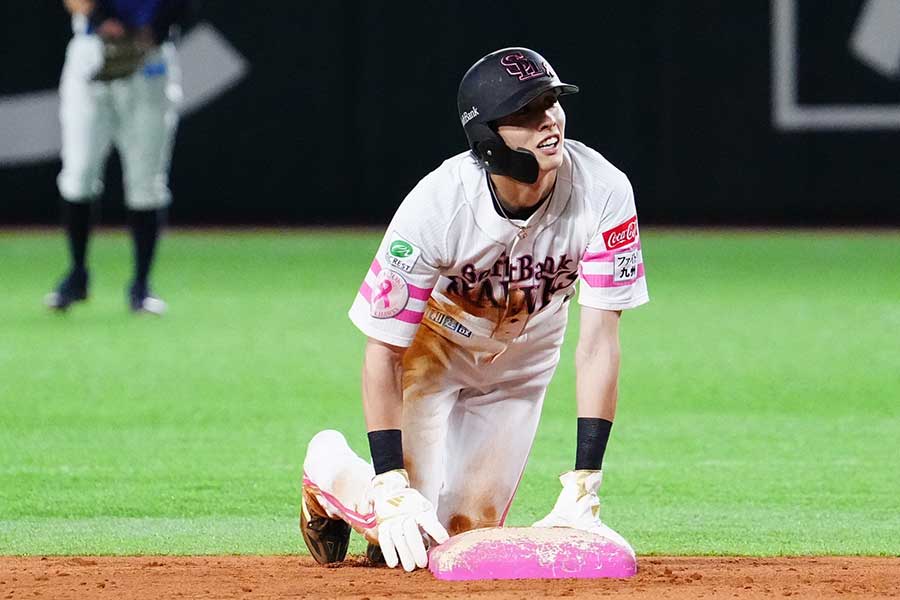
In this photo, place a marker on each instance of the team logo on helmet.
(518, 66)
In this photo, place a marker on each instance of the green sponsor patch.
(401, 249)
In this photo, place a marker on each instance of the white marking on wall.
(29, 123)
(877, 39)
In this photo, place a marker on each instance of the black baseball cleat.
(327, 539)
(72, 289)
(374, 555)
(142, 300)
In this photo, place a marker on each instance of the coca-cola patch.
(621, 235)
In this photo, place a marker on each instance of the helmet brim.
(518, 101)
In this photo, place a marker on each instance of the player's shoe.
(142, 300)
(374, 555)
(72, 289)
(326, 539)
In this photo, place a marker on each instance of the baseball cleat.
(72, 289)
(326, 539)
(374, 556)
(142, 300)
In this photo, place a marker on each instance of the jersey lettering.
(532, 282)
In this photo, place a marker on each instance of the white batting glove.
(578, 506)
(403, 514)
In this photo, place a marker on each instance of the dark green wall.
(348, 104)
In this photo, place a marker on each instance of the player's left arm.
(597, 363)
(611, 279)
(597, 377)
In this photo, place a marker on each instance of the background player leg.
(76, 220)
(87, 120)
(145, 226)
(147, 103)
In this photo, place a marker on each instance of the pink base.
(530, 553)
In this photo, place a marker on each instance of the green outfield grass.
(759, 401)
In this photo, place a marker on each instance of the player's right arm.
(381, 390)
(388, 309)
(402, 513)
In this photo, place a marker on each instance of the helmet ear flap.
(496, 157)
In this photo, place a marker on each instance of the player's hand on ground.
(578, 506)
(403, 516)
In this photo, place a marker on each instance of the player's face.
(538, 127)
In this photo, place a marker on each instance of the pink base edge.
(519, 558)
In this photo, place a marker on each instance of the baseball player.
(465, 306)
(120, 86)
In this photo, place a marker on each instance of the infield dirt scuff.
(248, 577)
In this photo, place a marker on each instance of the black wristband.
(386, 446)
(593, 434)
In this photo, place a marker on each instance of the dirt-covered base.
(299, 577)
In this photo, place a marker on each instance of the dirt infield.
(62, 578)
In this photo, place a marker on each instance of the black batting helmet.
(498, 85)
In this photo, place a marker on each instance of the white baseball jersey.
(482, 308)
(450, 261)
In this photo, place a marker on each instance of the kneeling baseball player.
(465, 307)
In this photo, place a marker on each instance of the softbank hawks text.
(538, 281)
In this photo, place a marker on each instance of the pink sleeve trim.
(606, 255)
(419, 293)
(354, 518)
(607, 281)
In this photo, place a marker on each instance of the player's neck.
(515, 195)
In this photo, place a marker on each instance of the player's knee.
(329, 450)
(79, 185)
(152, 195)
(329, 458)
(326, 443)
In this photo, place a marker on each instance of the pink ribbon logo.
(385, 286)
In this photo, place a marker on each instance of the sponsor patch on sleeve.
(401, 254)
(621, 235)
(625, 265)
(390, 295)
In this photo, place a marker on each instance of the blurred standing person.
(120, 85)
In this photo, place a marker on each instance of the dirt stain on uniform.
(459, 524)
(424, 364)
(489, 514)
